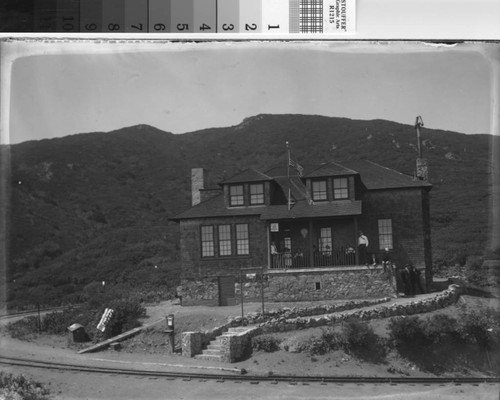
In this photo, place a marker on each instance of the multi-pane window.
(236, 197)
(242, 241)
(224, 240)
(340, 188)
(385, 233)
(319, 190)
(207, 241)
(287, 243)
(325, 240)
(257, 193)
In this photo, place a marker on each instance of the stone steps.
(207, 357)
(213, 350)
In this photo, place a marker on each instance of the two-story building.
(289, 237)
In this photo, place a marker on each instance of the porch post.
(268, 245)
(356, 239)
(311, 253)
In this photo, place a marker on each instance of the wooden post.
(39, 318)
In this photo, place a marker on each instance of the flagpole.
(288, 173)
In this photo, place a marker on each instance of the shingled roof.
(215, 207)
(329, 169)
(374, 176)
(248, 175)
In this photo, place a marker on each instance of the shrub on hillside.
(432, 342)
(20, 387)
(359, 339)
(23, 328)
(267, 343)
(481, 328)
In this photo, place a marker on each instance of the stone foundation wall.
(194, 293)
(339, 283)
(298, 285)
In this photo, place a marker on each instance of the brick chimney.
(197, 184)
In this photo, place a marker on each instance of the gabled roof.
(304, 210)
(215, 207)
(248, 175)
(281, 169)
(374, 176)
(330, 169)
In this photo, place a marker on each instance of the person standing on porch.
(274, 256)
(362, 246)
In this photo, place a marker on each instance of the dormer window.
(319, 192)
(236, 195)
(256, 194)
(340, 188)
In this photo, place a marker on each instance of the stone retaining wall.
(310, 317)
(234, 347)
(441, 300)
(340, 283)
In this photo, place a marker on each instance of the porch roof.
(303, 210)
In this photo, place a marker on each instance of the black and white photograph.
(249, 219)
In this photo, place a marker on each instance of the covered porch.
(313, 243)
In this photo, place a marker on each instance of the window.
(207, 241)
(224, 240)
(287, 243)
(242, 242)
(340, 188)
(319, 190)
(325, 241)
(236, 197)
(257, 193)
(385, 233)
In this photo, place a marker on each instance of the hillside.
(94, 207)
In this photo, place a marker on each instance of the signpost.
(253, 274)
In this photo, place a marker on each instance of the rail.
(249, 378)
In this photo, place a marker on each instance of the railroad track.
(27, 313)
(253, 379)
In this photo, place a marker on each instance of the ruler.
(179, 16)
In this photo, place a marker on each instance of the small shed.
(77, 334)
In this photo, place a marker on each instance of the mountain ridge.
(78, 202)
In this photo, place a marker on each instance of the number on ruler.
(159, 27)
(205, 27)
(138, 27)
(269, 27)
(68, 23)
(250, 27)
(113, 27)
(90, 27)
(182, 27)
(228, 27)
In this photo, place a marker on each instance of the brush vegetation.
(95, 207)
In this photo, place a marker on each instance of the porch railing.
(342, 256)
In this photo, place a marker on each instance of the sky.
(70, 88)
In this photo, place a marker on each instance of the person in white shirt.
(362, 246)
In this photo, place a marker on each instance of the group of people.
(411, 280)
(286, 259)
(410, 275)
